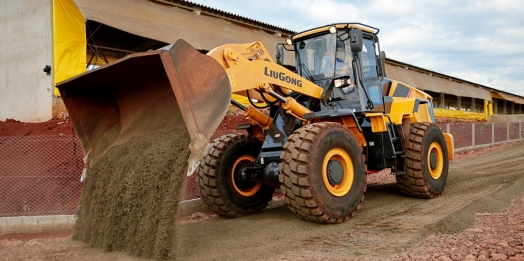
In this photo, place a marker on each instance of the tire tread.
(294, 177)
(413, 183)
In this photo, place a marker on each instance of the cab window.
(313, 56)
(369, 61)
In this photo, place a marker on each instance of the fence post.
(507, 128)
(473, 134)
(492, 132)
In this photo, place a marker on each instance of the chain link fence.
(40, 175)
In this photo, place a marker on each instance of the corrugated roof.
(226, 15)
(450, 84)
(509, 97)
(162, 22)
(425, 80)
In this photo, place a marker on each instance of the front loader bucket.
(145, 93)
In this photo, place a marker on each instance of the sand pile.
(130, 196)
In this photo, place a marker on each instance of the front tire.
(219, 182)
(323, 176)
(427, 162)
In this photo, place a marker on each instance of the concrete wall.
(506, 118)
(25, 49)
(36, 224)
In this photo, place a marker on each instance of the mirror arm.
(370, 104)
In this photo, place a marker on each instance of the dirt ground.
(63, 126)
(479, 217)
(51, 127)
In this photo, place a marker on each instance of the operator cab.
(347, 54)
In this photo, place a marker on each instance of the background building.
(48, 41)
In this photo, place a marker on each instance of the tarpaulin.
(455, 114)
(69, 41)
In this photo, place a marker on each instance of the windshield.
(311, 52)
(324, 57)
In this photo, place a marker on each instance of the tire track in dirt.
(468, 192)
(393, 228)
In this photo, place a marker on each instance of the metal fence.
(40, 175)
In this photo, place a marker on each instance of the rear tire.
(218, 177)
(323, 176)
(427, 162)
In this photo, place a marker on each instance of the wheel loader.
(314, 129)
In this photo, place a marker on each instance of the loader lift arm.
(253, 73)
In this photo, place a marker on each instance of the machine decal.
(283, 77)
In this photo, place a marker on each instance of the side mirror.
(356, 41)
(382, 58)
(280, 54)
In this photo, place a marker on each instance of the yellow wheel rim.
(435, 160)
(244, 192)
(342, 187)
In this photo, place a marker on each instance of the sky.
(480, 41)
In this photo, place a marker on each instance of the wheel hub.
(243, 176)
(240, 177)
(433, 160)
(335, 172)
